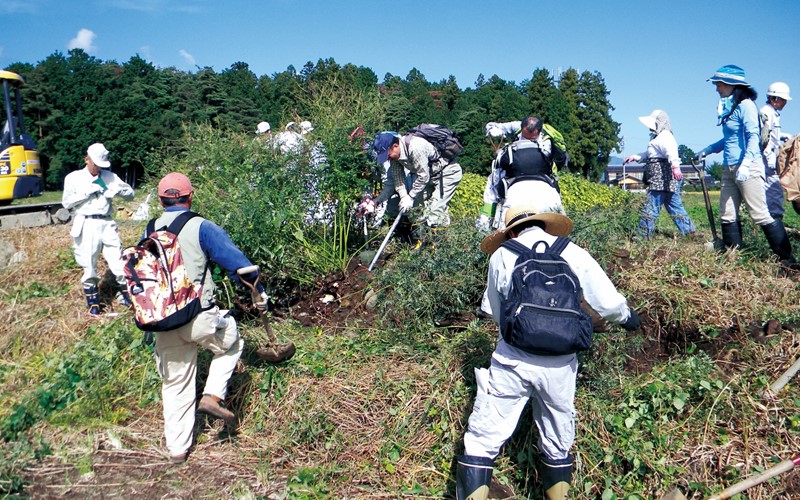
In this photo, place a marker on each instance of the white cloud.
(145, 53)
(17, 7)
(83, 40)
(187, 56)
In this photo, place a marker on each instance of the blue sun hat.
(730, 74)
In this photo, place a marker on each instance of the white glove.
(676, 172)
(632, 158)
(483, 223)
(94, 188)
(110, 193)
(700, 155)
(742, 173)
(366, 207)
(406, 203)
(262, 302)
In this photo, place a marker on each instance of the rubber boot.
(92, 298)
(779, 241)
(731, 235)
(473, 477)
(556, 477)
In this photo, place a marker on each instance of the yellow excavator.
(20, 170)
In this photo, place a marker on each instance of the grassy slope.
(376, 412)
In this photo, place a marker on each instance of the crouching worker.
(200, 241)
(541, 366)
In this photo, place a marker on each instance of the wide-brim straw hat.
(554, 223)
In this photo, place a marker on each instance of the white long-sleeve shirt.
(664, 146)
(81, 193)
(598, 290)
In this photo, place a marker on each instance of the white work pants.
(176, 359)
(95, 236)
(503, 391)
(438, 193)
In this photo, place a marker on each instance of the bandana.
(724, 108)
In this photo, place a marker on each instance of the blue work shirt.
(740, 134)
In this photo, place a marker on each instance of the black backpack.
(443, 139)
(543, 313)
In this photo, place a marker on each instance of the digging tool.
(773, 471)
(386, 240)
(273, 352)
(716, 243)
(785, 377)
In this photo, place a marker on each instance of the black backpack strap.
(177, 224)
(151, 228)
(559, 245)
(516, 247)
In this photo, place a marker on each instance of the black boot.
(779, 241)
(92, 298)
(556, 477)
(473, 477)
(731, 234)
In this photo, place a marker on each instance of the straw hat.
(554, 223)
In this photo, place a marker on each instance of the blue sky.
(651, 54)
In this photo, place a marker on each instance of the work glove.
(633, 323)
(742, 173)
(366, 207)
(700, 156)
(406, 203)
(262, 304)
(632, 158)
(483, 223)
(94, 188)
(676, 173)
(110, 193)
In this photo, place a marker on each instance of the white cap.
(779, 89)
(305, 127)
(262, 128)
(99, 155)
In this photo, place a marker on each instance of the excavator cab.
(20, 170)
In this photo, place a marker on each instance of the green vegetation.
(135, 108)
(376, 401)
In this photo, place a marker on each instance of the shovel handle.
(773, 471)
(247, 270)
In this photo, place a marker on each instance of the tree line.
(73, 100)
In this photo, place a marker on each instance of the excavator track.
(33, 215)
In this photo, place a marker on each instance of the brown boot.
(210, 405)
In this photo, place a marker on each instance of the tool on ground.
(716, 243)
(785, 377)
(386, 240)
(773, 471)
(273, 352)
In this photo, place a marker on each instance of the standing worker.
(201, 241)
(742, 165)
(662, 175)
(435, 179)
(521, 171)
(770, 141)
(515, 375)
(90, 191)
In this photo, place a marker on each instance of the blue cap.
(730, 74)
(383, 142)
